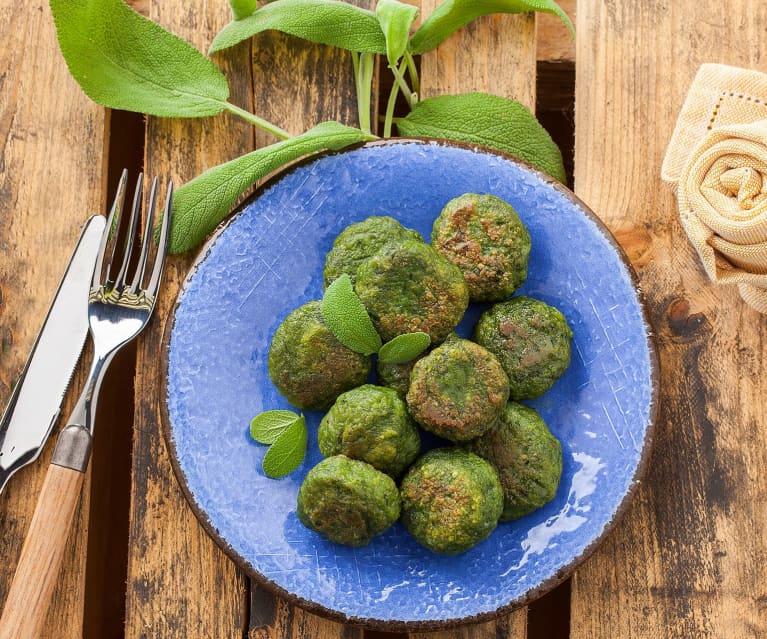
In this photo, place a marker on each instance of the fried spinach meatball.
(360, 241)
(371, 423)
(347, 501)
(458, 390)
(484, 237)
(531, 339)
(308, 365)
(526, 455)
(408, 287)
(451, 500)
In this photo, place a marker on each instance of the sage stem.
(412, 71)
(257, 121)
(400, 80)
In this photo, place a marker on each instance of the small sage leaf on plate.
(338, 24)
(122, 60)
(489, 120)
(266, 427)
(242, 8)
(288, 450)
(396, 18)
(404, 348)
(199, 205)
(346, 317)
(451, 15)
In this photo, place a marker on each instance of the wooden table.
(688, 560)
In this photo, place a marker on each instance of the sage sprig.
(123, 60)
(286, 434)
(346, 317)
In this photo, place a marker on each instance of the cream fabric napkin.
(717, 158)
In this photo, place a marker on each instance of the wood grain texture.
(554, 44)
(495, 54)
(179, 583)
(42, 555)
(51, 179)
(690, 557)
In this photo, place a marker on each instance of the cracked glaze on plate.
(268, 260)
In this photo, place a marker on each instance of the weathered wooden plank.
(179, 583)
(494, 54)
(554, 44)
(51, 179)
(296, 85)
(689, 559)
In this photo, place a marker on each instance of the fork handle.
(41, 556)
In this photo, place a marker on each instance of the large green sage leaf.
(122, 60)
(346, 317)
(404, 348)
(288, 450)
(451, 15)
(199, 205)
(396, 18)
(489, 120)
(323, 21)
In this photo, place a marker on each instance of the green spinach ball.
(347, 501)
(531, 340)
(484, 237)
(360, 241)
(371, 423)
(409, 287)
(458, 390)
(526, 455)
(308, 365)
(451, 500)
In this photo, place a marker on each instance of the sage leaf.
(266, 427)
(199, 205)
(396, 18)
(287, 452)
(338, 24)
(346, 317)
(242, 8)
(122, 60)
(451, 15)
(404, 348)
(489, 120)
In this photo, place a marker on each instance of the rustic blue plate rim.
(394, 617)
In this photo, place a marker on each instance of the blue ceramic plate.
(268, 260)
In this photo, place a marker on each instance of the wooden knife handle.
(38, 569)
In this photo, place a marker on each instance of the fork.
(119, 307)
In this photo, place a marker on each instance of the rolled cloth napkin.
(717, 157)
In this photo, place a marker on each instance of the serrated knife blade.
(36, 399)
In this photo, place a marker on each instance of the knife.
(36, 399)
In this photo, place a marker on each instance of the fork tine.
(114, 212)
(162, 247)
(146, 240)
(119, 282)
